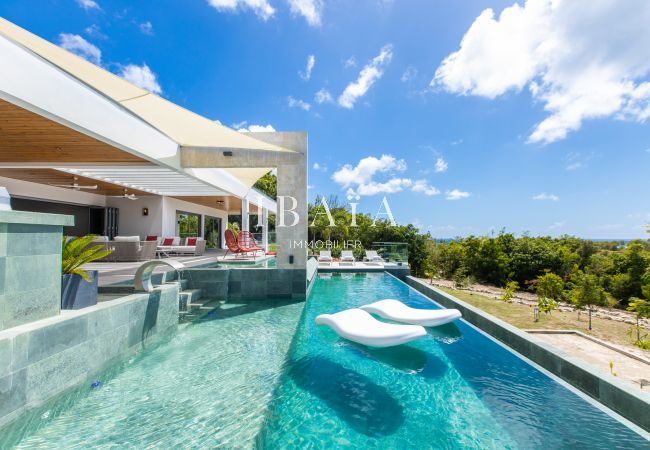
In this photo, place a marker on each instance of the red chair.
(233, 246)
(247, 242)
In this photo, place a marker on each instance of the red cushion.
(168, 241)
(191, 241)
(151, 238)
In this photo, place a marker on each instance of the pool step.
(187, 298)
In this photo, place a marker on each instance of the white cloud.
(141, 76)
(94, 31)
(366, 169)
(81, 47)
(295, 103)
(350, 62)
(409, 74)
(545, 196)
(311, 10)
(455, 194)
(88, 4)
(425, 188)
(441, 165)
(576, 160)
(359, 180)
(371, 72)
(146, 28)
(319, 167)
(262, 8)
(252, 128)
(311, 62)
(392, 186)
(556, 225)
(580, 60)
(323, 96)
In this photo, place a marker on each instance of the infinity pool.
(262, 375)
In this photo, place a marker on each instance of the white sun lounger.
(399, 312)
(325, 257)
(373, 257)
(359, 326)
(347, 257)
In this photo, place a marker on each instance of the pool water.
(263, 375)
(456, 388)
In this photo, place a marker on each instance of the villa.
(220, 354)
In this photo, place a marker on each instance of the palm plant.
(77, 252)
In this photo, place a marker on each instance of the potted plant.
(79, 286)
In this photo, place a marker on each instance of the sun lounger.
(373, 257)
(399, 312)
(325, 257)
(347, 257)
(360, 327)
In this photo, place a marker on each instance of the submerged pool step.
(187, 298)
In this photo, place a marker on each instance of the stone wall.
(631, 403)
(248, 284)
(30, 266)
(42, 359)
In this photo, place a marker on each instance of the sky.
(470, 117)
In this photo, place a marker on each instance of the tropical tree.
(641, 308)
(510, 290)
(587, 293)
(550, 289)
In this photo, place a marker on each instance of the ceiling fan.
(74, 185)
(125, 195)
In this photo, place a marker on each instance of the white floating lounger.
(359, 326)
(399, 312)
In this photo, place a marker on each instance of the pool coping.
(615, 394)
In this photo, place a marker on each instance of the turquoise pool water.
(263, 375)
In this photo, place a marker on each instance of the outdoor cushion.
(168, 242)
(399, 312)
(359, 326)
(191, 241)
(151, 237)
(126, 238)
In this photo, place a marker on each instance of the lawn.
(521, 316)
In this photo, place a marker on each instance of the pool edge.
(614, 394)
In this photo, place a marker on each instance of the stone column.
(265, 229)
(30, 266)
(244, 215)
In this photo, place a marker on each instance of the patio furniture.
(130, 250)
(247, 242)
(232, 245)
(164, 247)
(399, 312)
(192, 246)
(359, 326)
(325, 257)
(372, 257)
(347, 257)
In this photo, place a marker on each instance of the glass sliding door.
(188, 224)
(212, 232)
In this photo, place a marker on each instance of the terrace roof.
(184, 127)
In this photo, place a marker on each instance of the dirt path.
(526, 298)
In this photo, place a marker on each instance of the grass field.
(521, 316)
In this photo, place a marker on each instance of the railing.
(397, 252)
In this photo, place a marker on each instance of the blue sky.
(469, 118)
